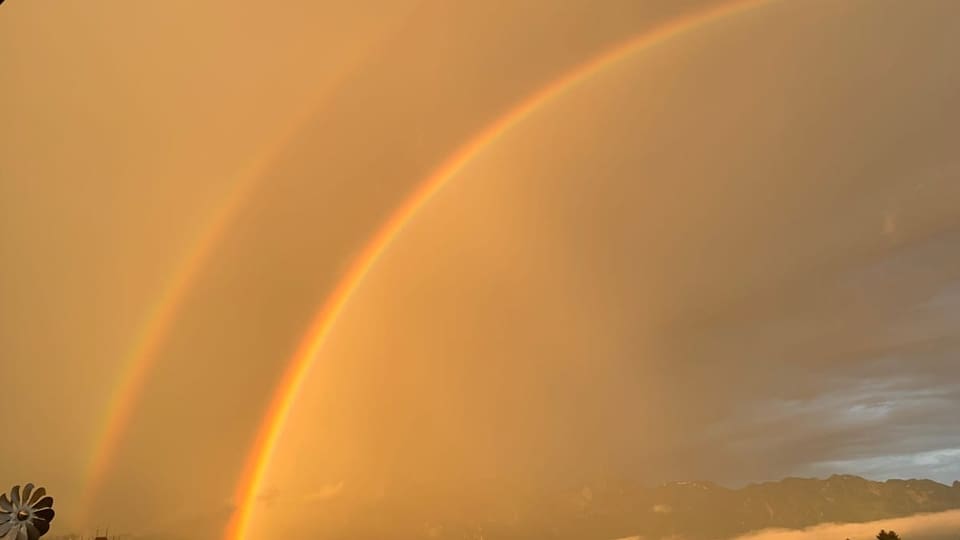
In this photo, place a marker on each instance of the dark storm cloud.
(832, 384)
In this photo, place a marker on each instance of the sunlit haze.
(526, 269)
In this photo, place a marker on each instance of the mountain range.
(696, 510)
(605, 510)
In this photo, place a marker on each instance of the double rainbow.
(150, 341)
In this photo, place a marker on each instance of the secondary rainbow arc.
(141, 358)
(143, 354)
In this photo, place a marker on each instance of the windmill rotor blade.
(37, 495)
(45, 514)
(27, 491)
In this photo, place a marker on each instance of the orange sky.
(751, 224)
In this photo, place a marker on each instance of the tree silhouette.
(887, 535)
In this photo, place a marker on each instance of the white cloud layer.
(938, 526)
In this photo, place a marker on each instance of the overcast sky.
(734, 257)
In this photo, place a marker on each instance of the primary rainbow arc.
(291, 382)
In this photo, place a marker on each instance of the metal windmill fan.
(26, 516)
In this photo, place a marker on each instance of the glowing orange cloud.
(289, 386)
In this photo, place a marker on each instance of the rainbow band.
(147, 346)
(289, 386)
